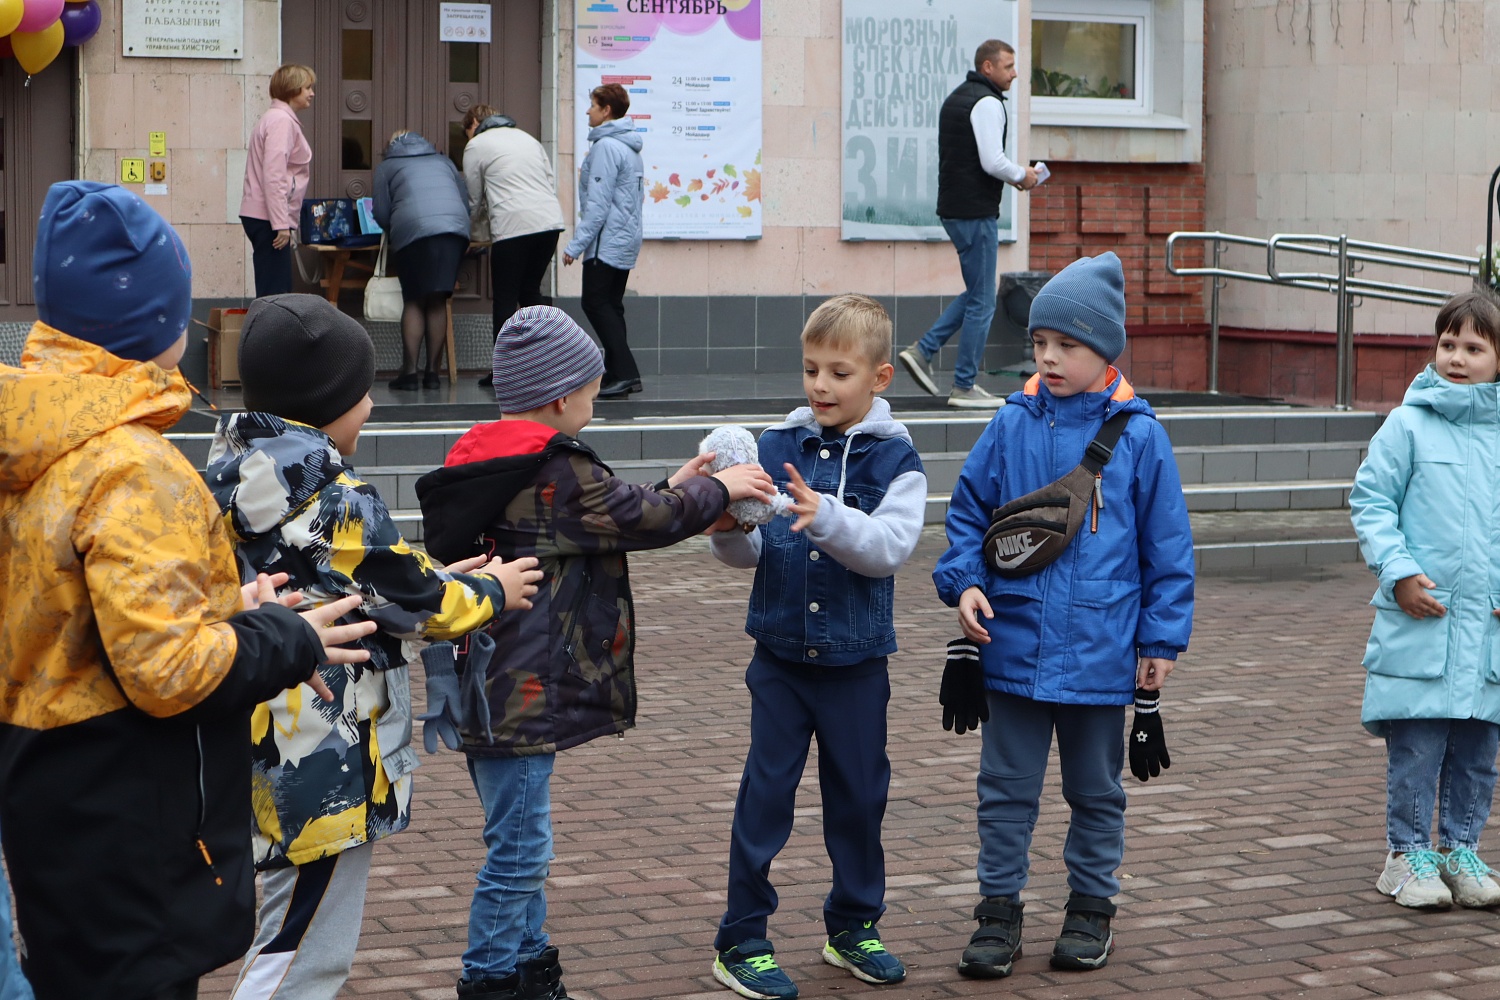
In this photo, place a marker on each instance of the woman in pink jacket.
(276, 172)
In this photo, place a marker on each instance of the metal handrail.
(1344, 283)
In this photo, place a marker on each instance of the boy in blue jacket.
(821, 616)
(1063, 648)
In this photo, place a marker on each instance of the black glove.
(1148, 744)
(475, 698)
(441, 718)
(962, 694)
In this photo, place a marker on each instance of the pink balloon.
(40, 15)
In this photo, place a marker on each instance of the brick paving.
(1249, 870)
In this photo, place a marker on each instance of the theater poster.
(693, 72)
(902, 58)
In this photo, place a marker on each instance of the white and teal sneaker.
(1470, 880)
(1414, 879)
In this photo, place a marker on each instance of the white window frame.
(1081, 110)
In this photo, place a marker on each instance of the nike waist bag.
(1031, 531)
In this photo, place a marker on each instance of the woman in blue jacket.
(1424, 507)
(422, 203)
(607, 238)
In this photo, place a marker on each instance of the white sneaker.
(1415, 880)
(1470, 879)
(920, 369)
(974, 398)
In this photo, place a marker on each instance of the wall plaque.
(183, 29)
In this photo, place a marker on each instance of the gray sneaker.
(921, 371)
(1414, 880)
(1471, 881)
(974, 398)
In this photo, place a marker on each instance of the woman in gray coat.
(422, 203)
(607, 237)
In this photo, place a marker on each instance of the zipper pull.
(209, 861)
(1098, 503)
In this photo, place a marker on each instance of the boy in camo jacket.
(563, 674)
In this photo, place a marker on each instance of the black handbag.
(1032, 531)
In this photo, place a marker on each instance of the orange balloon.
(10, 15)
(35, 50)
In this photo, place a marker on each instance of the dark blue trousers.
(791, 704)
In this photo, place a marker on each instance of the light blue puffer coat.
(611, 192)
(1072, 632)
(1427, 500)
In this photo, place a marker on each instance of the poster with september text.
(693, 72)
(902, 58)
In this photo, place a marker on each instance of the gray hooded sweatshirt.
(611, 189)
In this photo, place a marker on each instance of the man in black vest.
(972, 173)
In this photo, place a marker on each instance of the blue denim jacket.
(825, 595)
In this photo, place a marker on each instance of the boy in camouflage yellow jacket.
(329, 779)
(563, 674)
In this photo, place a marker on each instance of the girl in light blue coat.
(1425, 509)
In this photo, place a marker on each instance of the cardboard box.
(224, 327)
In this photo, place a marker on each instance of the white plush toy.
(733, 445)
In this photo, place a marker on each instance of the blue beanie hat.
(111, 271)
(1085, 301)
(542, 355)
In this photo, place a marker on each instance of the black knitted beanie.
(301, 359)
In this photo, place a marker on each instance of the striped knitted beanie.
(541, 355)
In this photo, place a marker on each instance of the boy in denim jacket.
(1064, 648)
(821, 617)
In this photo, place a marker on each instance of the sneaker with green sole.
(750, 969)
(858, 948)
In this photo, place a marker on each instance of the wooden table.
(340, 260)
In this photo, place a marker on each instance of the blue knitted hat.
(1085, 301)
(110, 271)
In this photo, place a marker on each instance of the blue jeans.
(505, 919)
(844, 709)
(1431, 759)
(1013, 762)
(13, 985)
(978, 244)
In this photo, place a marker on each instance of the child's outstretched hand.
(746, 482)
(519, 577)
(696, 466)
(1412, 599)
(808, 499)
(469, 565)
(971, 604)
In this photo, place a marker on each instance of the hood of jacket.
(1479, 403)
(483, 472)
(494, 121)
(878, 423)
(622, 129)
(410, 144)
(264, 470)
(67, 392)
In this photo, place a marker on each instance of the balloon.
(35, 50)
(10, 15)
(80, 22)
(39, 15)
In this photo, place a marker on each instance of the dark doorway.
(381, 67)
(38, 128)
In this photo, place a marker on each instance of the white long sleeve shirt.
(989, 118)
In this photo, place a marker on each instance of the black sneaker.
(487, 381)
(995, 946)
(1086, 940)
(541, 978)
(508, 988)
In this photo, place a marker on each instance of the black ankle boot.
(1086, 940)
(995, 946)
(541, 978)
(508, 988)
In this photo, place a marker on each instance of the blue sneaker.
(858, 949)
(750, 969)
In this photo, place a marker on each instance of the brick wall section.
(1087, 208)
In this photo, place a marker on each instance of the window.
(1090, 57)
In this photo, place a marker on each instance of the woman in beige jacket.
(513, 198)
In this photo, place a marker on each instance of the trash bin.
(1009, 338)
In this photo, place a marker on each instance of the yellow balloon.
(11, 12)
(35, 50)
